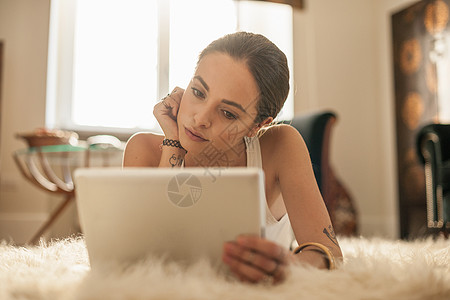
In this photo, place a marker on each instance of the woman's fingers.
(166, 112)
(244, 271)
(255, 261)
(176, 94)
(250, 257)
(265, 247)
(171, 103)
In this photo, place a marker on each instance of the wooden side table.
(39, 166)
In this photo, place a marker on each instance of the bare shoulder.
(282, 139)
(283, 149)
(142, 150)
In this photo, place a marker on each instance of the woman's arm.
(146, 150)
(304, 204)
(252, 258)
(142, 150)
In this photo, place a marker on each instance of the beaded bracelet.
(331, 264)
(172, 143)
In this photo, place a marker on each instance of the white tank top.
(278, 231)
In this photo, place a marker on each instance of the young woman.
(223, 119)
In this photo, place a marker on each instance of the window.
(111, 60)
(115, 63)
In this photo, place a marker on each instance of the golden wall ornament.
(412, 110)
(436, 16)
(410, 56)
(418, 37)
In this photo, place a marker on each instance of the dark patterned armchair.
(433, 145)
(316, 128)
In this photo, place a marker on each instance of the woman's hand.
(254, 259)
(166, 111)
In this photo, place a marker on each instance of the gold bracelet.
(331, 264)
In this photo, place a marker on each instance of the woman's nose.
(203, 116)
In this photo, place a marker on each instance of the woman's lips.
(194, 137)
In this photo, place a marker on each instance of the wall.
(342, 61)
(24, 31)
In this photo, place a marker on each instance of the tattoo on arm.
(331, 235)
(175, 161)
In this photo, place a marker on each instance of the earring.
(253, 131)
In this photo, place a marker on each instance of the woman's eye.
(197, 93)
(229, 115)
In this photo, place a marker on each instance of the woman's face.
(218, 109)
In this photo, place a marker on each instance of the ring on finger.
(170, 96)
(164, 103)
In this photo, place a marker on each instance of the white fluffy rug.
(372, 269)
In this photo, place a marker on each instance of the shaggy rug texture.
(372, 269)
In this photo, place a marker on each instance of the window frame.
(60, 70)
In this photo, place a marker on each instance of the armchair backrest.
(433, 148)
(442, 133)
(315, 128)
